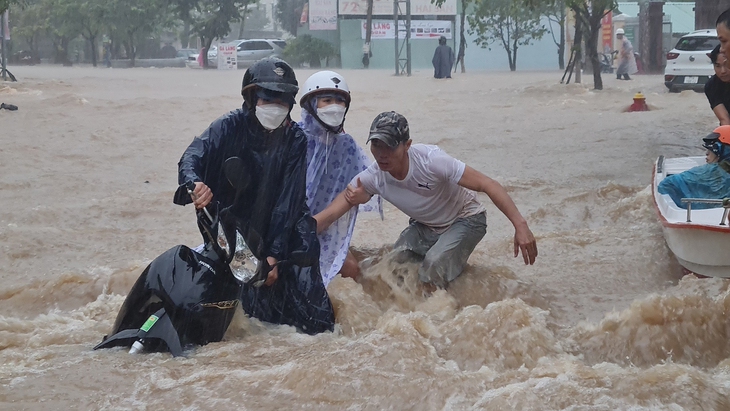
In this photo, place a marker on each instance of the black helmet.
(272, 74)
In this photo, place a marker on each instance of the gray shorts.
(444, 255)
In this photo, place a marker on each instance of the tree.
(555, 13)
(508, 22)
(307, 49)
(590, 13)
(288, 13)
(89, 15)
(209, 19)
(61, 28)
(30, 24)
(253, 18)
(462, 38)
(5, 4)
(133, 20)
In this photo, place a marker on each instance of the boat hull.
(700, 251)
(702, 245)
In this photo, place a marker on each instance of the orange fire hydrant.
(639, 103)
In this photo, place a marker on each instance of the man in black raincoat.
(443, 60)
(270, 210)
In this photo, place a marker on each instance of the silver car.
(251, 50)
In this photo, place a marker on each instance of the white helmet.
(619, 31)
(325, 81)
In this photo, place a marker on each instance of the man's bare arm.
(335, 210)
(474, 180)
(721, 112)
(524, 239)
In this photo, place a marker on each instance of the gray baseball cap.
(390, 128)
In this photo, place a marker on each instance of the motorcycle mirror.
(237, 173)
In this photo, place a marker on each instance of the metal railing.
(725, 203)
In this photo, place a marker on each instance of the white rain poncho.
(333, 160)
(626, 58)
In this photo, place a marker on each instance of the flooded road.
(603, 321)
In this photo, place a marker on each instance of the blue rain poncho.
(333, 160)
(706, 181)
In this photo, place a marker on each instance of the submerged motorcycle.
(189, 296)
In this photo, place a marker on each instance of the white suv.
(248, 51)
(688, 63)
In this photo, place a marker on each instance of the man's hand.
(525, 242)
(201, 195)
(274, 273)
(357, 195)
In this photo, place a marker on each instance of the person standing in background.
(366, 54)
(626, 59)
(107, 54)
(443, 60)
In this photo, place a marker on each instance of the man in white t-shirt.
(438, 192)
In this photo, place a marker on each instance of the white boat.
(699, 238)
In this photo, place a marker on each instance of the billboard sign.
(322, 14)
(385, 7)
(420, 29)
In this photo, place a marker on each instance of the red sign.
(607, 32)
(305, 14)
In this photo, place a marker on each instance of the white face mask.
(332, 115)
(271, 115)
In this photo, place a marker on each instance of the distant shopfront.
(345, 27)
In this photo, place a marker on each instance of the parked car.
(186, 54)
(688, 63)
(24, 57)
(213, 55)
(212, 58)
(249, 51)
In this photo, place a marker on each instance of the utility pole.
(402, 65)
(366, 53)
(4, 72)
(643, 32)
(651, 20)
(656, 49)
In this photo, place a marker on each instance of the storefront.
(345, 27)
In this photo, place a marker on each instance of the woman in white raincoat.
(333, 160)
(626, 59)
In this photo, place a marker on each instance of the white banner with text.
(420, 29)
(381, 7)
(227, 58)
(322, 14)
